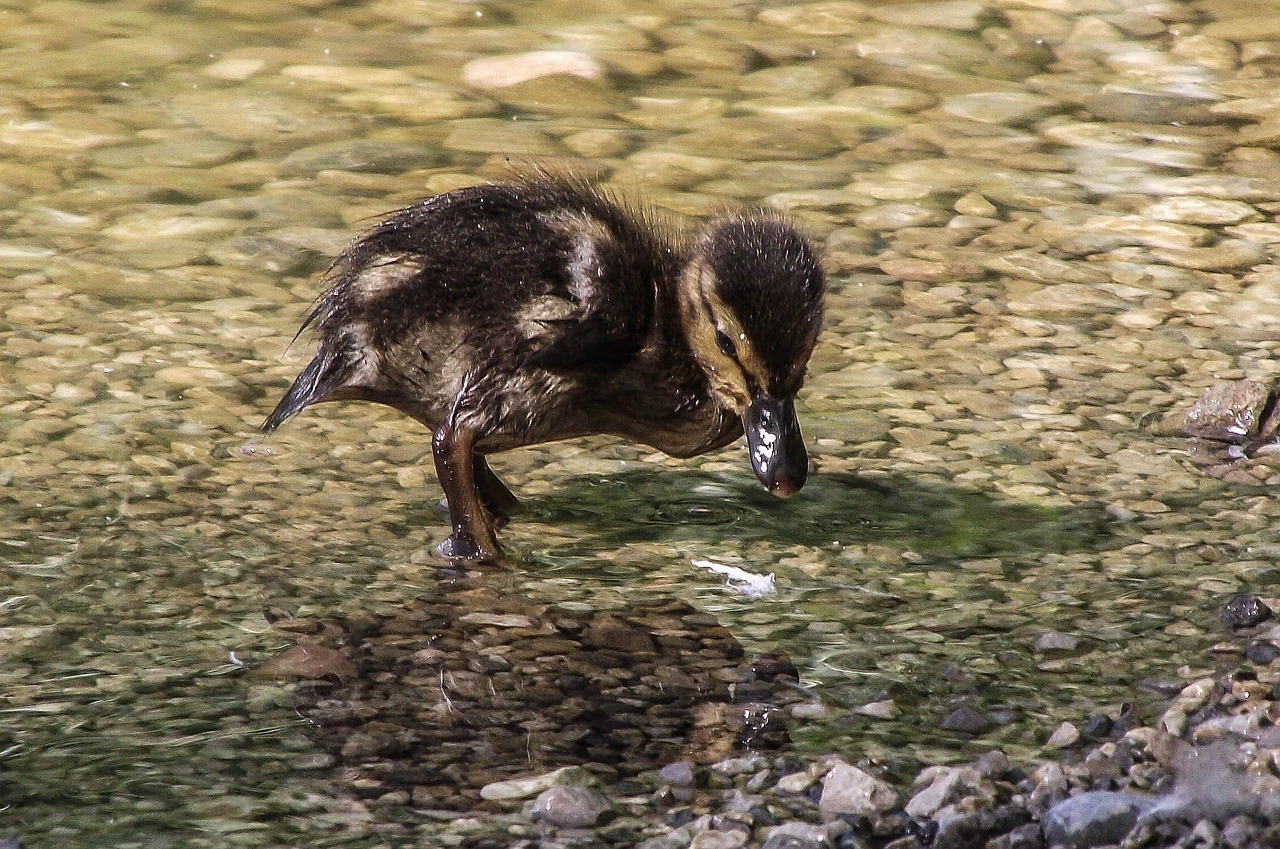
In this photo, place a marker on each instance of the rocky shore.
(538, 725)
(1203, 775)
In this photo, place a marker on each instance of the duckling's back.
(485, 298)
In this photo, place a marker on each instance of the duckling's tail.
(321, 376)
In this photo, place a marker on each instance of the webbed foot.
(462, 547)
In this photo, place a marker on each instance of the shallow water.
(1044, 223)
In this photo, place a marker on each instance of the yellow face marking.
(736, 374)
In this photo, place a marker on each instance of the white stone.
(502, 71)
(849, 790)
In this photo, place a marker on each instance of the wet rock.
(1063, 736)
(1093, 819)
(1097, 726)
(719, 839)
(794, 835)
(1233, 428)
(524, 788)
(1202, 210)
(966, 720)
(679, 773)
(309, 661)
(883, 709)
(1006, 108)
(1244, 611)
(929, 271)
(1053, 641)
(497, 72)
(846, 789)
(570, 807)
(359, 155)
(944, 786)
(949, 14)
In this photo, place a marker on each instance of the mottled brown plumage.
(526, 312)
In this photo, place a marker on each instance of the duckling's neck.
(663, 397)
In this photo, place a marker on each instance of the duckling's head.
(751, 303)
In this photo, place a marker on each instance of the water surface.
(1044, 222)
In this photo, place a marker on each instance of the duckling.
(541, 309)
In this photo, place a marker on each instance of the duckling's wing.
(611, 263)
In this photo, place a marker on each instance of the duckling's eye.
(725, 344)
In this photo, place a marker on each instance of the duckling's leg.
(494, 494)
(473, 537)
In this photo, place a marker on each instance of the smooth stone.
(946, 785)
(674, 113)
(719, 839)
(1030, 265)
(1051, 641)
(570, 807)
(599, 144)
(950, 50)
(178, 153)
(793, 80)
(496, 72)
(1063, 736)
(821, 18)
(957, 14)
(884, 97)
(678, 774)
(362, 156)
(928, 271)
(1227, 255)
(528, 787)
(66, 131)
(755, 139)
(896, 216)
(491, 135)
(965, 720)
(701, 58)
(165, 222)
(798, 835)
(884, 709)
(975, 204)
(421, 102)
(795, 782)
(560, 94)
(346, 76)
(1254, 27)
(1006, 108)
(1201, 210)
(249, 115)
(1244, 611)
(1092, 819)
(846, 789)
(417, 13)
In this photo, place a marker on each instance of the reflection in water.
(471, 686)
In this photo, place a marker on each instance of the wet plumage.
(518, 313)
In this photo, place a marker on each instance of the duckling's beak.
(775, 443)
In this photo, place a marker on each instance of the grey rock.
(679, 774)
(1244, 611)
(1055, 641)
(796, 835)
(1093, 819)
(966, 720)
(849, 790)
(363, 155)
(570, 807)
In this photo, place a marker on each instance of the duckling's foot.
(494, 495)
(461, 547)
